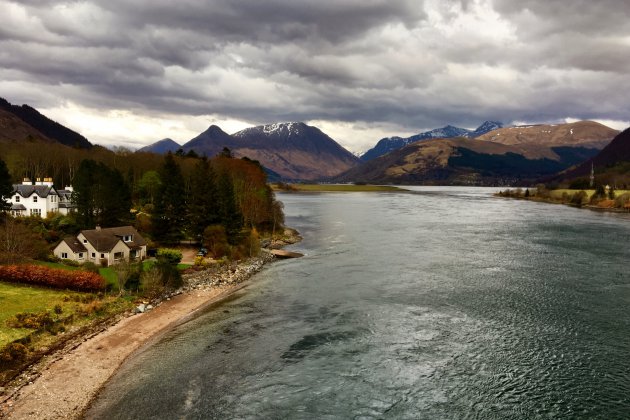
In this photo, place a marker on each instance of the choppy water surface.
(444, 303)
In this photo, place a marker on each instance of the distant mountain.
(388, 144)
(581, 133)
(50, 129)
(161, 147)
(292, 150)
(211, 142)
(460, 161)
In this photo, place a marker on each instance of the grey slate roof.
(105, 239)
(18, 207)
(74, 244)
(27, 190)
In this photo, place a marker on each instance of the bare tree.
(18, 243)
(123, 271)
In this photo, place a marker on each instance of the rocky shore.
(63, 384)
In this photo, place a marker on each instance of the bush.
(151, 281)
(622, 200)
(51, 277)
(91, 267)
(70, 263)
(31, 320)
(169, 256)
(579, 198)
(13, 353)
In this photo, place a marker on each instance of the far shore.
(281, 187)
(63, 385)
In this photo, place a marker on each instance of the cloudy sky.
(132, 72)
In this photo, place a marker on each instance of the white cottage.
(40, 198)
(103, 246)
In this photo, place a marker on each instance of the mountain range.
(389, 144)
(545, 150)
(489, 155)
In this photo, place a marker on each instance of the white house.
(103, 246)
(40, 198)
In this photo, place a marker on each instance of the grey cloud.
(352, 60)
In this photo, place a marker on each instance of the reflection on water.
(441, 303)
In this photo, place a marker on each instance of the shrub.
(70, 263)
(90, 266)
(51, 277)
(13, 353)
(151, 281)
(31, 320)
(579, 198)
(622, 200)
(169, 256)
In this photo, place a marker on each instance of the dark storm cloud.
(411, 63)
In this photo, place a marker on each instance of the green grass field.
(15, 298)
(558, 193)
(343, 188)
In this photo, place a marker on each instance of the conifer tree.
(6, 188)
(170, 203)
(229, 215)
(101, 195)
(202, 206)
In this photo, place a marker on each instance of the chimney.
(38, 181)
(27, 181)
(98, 228)
(69, 188)
(48, 182)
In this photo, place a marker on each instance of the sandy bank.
(71, 380)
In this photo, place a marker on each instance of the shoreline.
(64, 384)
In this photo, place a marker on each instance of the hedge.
(51, 277)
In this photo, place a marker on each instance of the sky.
(130, 73)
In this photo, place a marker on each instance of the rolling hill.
(581, 133)
(35, 126)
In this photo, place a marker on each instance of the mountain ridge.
(389, 144)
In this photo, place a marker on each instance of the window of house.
(80, 255)
(17, 198)
(36, 212)
(118, 256)
(127, 238)
(93, 254)
(64, 255)
(102, 255)
(34, 199)
(85, 241)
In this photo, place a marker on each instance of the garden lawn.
(56, 265)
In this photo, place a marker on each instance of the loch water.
(442, 303)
